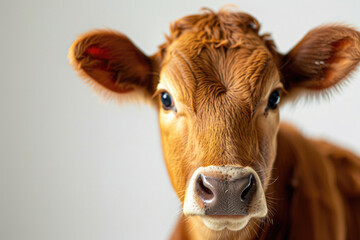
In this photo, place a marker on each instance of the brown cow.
(217, 83)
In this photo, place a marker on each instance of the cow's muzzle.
(220, 193)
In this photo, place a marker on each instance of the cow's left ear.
(322, 59)
(113, 64)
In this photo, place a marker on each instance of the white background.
(72, 167)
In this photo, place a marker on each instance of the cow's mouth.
(225, 197)
(233, 223)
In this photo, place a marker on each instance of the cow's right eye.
(166, 101)
(274, 100)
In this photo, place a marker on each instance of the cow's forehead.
(214, 75)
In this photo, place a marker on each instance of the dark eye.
(274, 99)
(166, 100)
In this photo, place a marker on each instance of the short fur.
(220, 73)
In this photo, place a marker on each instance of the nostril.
(204, 192)
(249, 190)
(203, 187)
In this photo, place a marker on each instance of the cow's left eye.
(274, 100)
(166, 101)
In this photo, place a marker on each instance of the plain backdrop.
(73, 167)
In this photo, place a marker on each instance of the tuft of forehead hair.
(228, 28)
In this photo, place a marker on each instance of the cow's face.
(217, 85)
(218, 112)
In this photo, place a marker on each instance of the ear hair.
(304, 95)
(140, 96)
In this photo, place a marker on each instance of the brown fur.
(220, 73)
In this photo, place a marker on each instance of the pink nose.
(226, 197)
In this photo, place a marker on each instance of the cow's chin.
(232, 223)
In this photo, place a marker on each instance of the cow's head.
(217, 85)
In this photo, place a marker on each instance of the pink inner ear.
(110, 82)
(97, 52)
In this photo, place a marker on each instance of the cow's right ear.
(111, 62)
